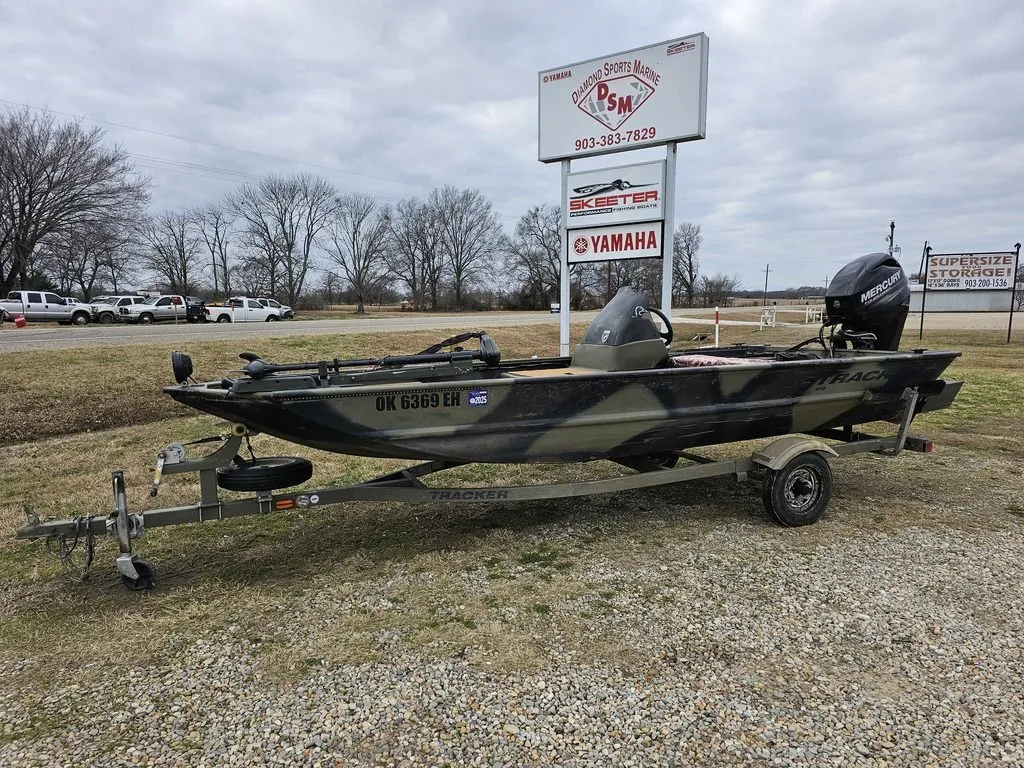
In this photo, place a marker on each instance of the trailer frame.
(407, 486)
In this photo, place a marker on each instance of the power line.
(200, 170)
(213, 144)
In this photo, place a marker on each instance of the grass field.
(71, 416)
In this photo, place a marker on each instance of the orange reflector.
(284, 504)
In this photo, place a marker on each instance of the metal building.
(960, 300)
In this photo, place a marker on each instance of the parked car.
(43, 305)
(168, 307)
(242, 309)
(106, 309)
(287, 313)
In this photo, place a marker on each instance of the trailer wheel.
(264, 474)
(798, 493)
(145, 581)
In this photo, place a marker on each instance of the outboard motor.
(870, 298)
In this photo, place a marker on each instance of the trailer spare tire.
(268, 473)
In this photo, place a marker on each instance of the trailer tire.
(798, 493)
(268, 473)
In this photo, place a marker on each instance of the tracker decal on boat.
(847, 377)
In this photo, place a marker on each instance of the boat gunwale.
(506, 377)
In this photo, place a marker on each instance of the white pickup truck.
(167, 307)
(106, 309)
(242, 309)
(45, 306)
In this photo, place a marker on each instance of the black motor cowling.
(870, 298)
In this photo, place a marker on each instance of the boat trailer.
(796, 488)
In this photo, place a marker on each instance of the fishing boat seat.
(622, 337)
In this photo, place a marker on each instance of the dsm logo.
(478, 397)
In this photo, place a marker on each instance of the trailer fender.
(779, 453)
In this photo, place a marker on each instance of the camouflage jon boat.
(623, 395)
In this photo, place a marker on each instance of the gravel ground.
(737, 643)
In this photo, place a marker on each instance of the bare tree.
(251, 278)
(357, 241)
(281, 219)
(533, 253)
(213, 223)
(470, 232)
(686, 245)
(716, 290)
(172, 250)
(54, 177)
(80, 257)
(415, 255)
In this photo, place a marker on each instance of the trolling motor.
(870, 299)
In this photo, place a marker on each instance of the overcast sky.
(825, 119)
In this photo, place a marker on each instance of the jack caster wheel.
(798, 493)
(145, 581)
(264, 474)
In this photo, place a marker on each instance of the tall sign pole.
(926, 257)
(668, 236)
(564, 279)
(1013, 290)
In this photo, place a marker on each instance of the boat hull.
(506, 417)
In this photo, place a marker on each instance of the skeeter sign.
(616, 195)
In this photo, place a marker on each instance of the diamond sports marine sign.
(638, 98)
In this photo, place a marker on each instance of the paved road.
(64, 337)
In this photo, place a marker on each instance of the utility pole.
(892, 237)
(766, 271)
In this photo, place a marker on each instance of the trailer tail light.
(284, 504)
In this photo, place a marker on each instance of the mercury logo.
(882, 287)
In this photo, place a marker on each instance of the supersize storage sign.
(616, 195)
(621, 241)
(638, 98)
(967, 271)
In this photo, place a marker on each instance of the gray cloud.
(825, 119)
